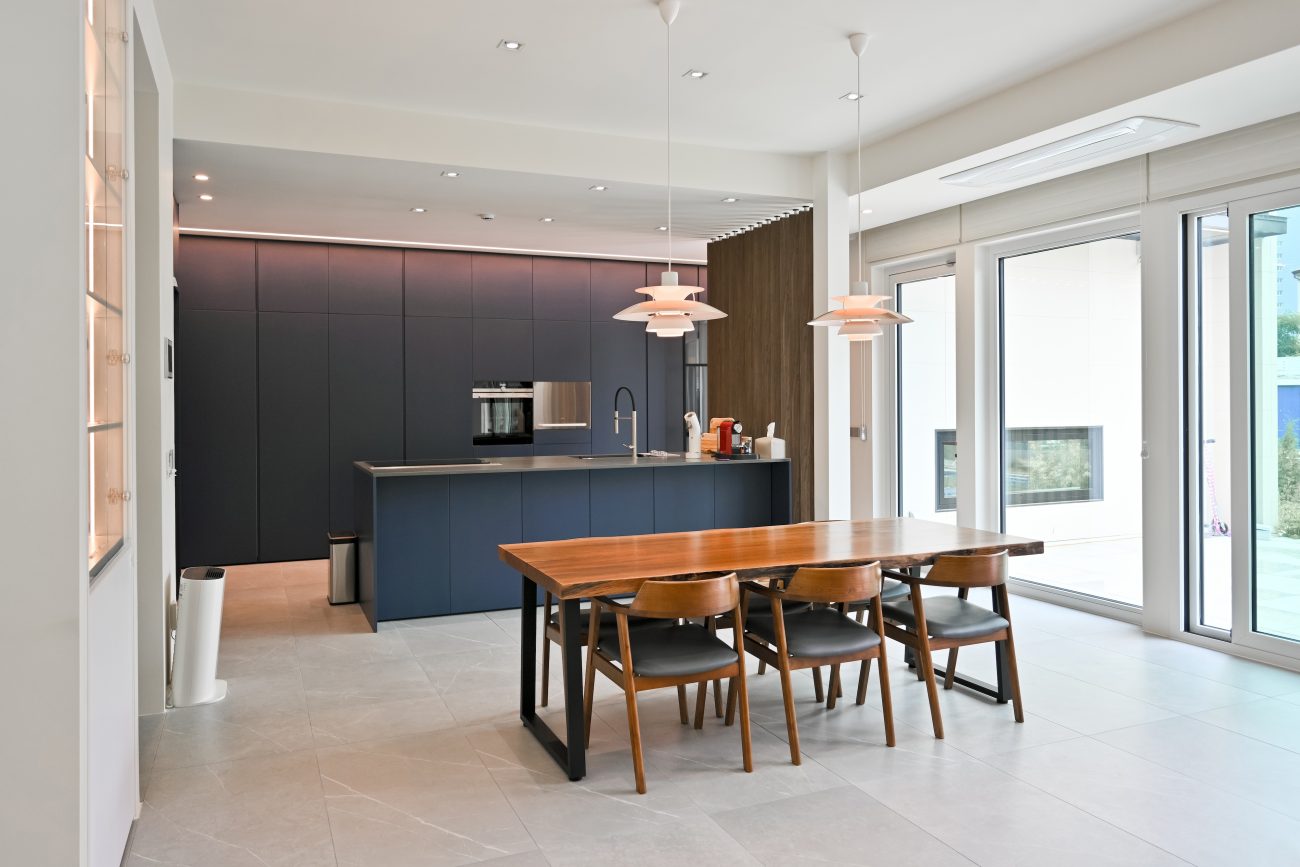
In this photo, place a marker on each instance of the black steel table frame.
(570, 753)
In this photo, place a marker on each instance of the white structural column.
(832, 477)
(979, 453)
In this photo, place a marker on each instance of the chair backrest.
(969, 570)
(696, 597)
(834, 584)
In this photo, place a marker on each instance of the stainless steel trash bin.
(343, 568)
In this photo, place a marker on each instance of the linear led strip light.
(1084, 147)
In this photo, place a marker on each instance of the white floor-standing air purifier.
(198, 637)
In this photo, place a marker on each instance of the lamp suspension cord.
(668, 144)
(858, 101)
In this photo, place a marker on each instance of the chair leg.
(817, 685)
(833, 692)
(952, 669)
(546, 650)
(701, 695)
(589, 693)
(681, 704)
(925, 665)
(1017, 702)
(739, 687)
(634, 732)
(864, 674)
(717, 684)
(791, 725)
(762, 667)
(886, 701)
(731, 701)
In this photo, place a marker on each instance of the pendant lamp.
(671, 311)
(860, 315)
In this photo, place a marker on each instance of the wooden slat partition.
(761, 355)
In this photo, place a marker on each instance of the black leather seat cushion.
(891, 590)
(817, 632)
(609, 623)
(948, 617)
(760, 605)
(677, 651)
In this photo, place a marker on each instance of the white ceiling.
(776, 67)
(266, 190)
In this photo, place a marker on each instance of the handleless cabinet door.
(503, 350)
(292, 277)
(217, 273)
(366, 402)
(666, 390)
(617, 359)
(742, 495)
(613, 287)
(561, 351)
(503, 286)
(561, 288)
(216, 437)
(365, 280)
(684, 498)
(486, 511)
(556, 505)
(622, 502)
(293, 435)
(438, 283)
(439, 378)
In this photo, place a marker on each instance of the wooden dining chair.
(681, 653)
(553, 633)
(951, 622)
(822, 634)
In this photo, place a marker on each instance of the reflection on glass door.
(1072, 415)
(927, 399)
(1275, 323)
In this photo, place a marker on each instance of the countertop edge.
(550, 463)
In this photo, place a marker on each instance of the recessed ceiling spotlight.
(200, 177)
(697, 74)
(487, 218)
(866, 210)
(729, 200)
(510, 44)
(205, 197)
(417, 210)
(451, 174)
(852, 96)
(661, 228)
(598, 188)
(546, 220)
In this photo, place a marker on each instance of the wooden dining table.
(575, 569)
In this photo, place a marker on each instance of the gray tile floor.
(341, 747)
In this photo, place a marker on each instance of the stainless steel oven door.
(562, 406)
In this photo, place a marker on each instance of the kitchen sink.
(620, 455)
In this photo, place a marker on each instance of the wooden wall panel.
(761, 355)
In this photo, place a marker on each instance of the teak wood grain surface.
(579, 568)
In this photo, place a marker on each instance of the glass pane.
(1274, 274)
(927, 400)
(1212, 378)
(1072, 415)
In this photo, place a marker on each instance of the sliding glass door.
(1071, 336)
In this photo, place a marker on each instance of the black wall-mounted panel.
(216, 437)
(217, 273)
(486, 512)
(666, 393)
(561, 288)
(365, 280)
(293, 435)
(683, 498)
(503, 286)
(561, 351)
(439, 378)
(292, 277)
(438, 283)
(617, 358)
(366, 402)
(742, 495)
(622, 502)
(503, 350)
(555, 506)
(613, 287)
(413, 539)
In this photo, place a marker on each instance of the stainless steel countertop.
(551, 463)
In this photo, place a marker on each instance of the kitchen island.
(428, 533)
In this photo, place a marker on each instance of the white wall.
(928, 376)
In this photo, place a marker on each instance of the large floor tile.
(360, 685)
(375, 720)
(1269, 720)
(456, 637)
(1202, 662)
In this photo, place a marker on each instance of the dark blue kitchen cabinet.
(618, 358)
(216, 437)
(487, 512)
(622, 502)
(438, 283)
(217, 273)
(366, 402)
(556, 506)
(613, 287)
(553, 450)
(292, 277)
(742, 495)
(517, 450)
(561, 351)
(412, 530)
(560, 436)
(293, 436)
(502, 286)
(365, 280)
(683, 498)
(503, 350)
(666, 393)
(561, 288)
(439, 378)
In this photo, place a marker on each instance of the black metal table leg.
(573, 755)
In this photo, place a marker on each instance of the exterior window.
(1044, 465)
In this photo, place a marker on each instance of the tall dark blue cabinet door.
(439, 378)
(617, 359)
(666, 387)
(561, 351)
(486, 511)
(366, 401)
(216, 437)
(293, 435)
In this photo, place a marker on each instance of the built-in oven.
(562, 406)
(503, 413)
